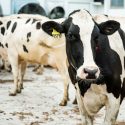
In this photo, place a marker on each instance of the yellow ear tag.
(55, 33)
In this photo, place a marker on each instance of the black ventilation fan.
(102, 1)
(57, 12)
(32, 8)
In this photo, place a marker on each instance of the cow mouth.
(88, 79)
(91, 77)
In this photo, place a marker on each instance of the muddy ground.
(38, 104)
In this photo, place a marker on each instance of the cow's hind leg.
(13, 58)
(22, 69)
(112, 109)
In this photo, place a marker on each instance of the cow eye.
(71, 36)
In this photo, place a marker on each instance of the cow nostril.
(90, 71)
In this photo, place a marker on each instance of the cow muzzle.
(88, 72)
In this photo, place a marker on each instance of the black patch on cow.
(18, 17)
(8, 24)
(1, 22)
(28, 20)
(66, 24)
(74, 50)
(34, 20)
(2, 30)
(106, 15)
(38, 25)
(74, 46)
(1, 45)
(84, 86)
(25, 49)
(6, 45)
(14, 27)
(28, 35)
(110, 66)
(74, 12)
(122, 35)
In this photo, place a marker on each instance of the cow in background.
(96, 56)
(25, 41)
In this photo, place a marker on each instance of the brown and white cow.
(96, 56)
(25, 41)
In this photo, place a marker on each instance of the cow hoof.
(63, 103)
(74, 102)
(12, 94)
(19, 91)
(22, 87)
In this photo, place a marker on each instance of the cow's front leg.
(13, 58)
(86, 119)
(75, 101)
(112, 109)
(22, 69)
(62, 68)
(66, 88)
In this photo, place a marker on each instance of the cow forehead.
(84, 21)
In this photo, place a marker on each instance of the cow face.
(82, 37)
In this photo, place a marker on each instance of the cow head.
(82, 37)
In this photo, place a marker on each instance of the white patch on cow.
(84, 20)
(116, 44)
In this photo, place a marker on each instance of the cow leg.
(75, 101)
(62, 68)
(86, 119)
(40, 69)
(66, 88)
(7, 65)
(112, 109)
(22, 70)
(15, 70)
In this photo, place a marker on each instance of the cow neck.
(58, 46)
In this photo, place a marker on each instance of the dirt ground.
(38, 104)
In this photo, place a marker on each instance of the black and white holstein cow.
(26, 41)
(96, 56)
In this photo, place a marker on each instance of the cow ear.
(52, 28)
(109, 27)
